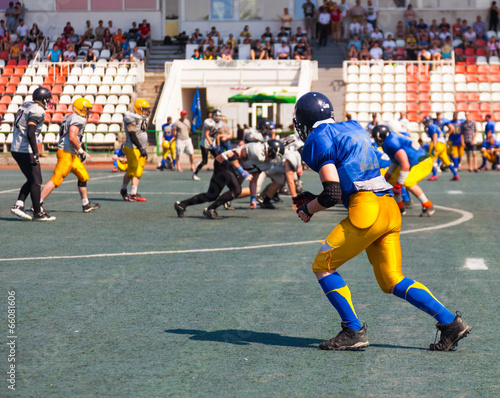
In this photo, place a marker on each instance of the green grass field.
(131, 301)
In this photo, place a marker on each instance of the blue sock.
(453, 170)
(406, 195)
(115, 164)
(339, 295)
(434, 171)
(455, 162)
(419, 296)
(175, 162)
(163, 163)
(484, 162)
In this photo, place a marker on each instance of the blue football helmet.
(380, 133)
(265, 124)
(427, 120)
(309, 109)
(274, 149)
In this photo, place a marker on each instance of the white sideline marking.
(64, 182)
(117, 193)
(475, 264)
(466, 216)
(455, 192)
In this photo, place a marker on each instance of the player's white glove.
(82, 155)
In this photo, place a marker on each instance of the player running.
(208, 142)
(409, 165)
(347, 165)
(437, 147)
(27, 126)
(136, 127)
(70, 154)
(456, 141)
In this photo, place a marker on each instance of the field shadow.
(398, 346)
(245, 337)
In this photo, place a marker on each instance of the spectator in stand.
(346, 13)
(244, 33)
(111, 28)
(434, 25)
(19, 11)
(269, 48)
(7, 42)
(196, 55)
(269, 36)
(435, 52)
(90, 55)
(447, 48)
(88, 31)
(301, 51)
(354, 28)
(286, 21)
(119, 36)
(491, 47)
(133, 32)
(470, 38)
(409, 15)
(493, 13)
(443, 35)
(480, 28)
(400, 31)
(125, 51)
(298, 35)
(55, 54)
(352, 53)
(67, 28)
(336, 18)
(69, 54)
(355, 42)
(11, 18)
(35, 35)
(465, 26)
(257, 51)
(247, 39)
(367, 25)
(116, 50)
(423, 42)
(457, 29)
(194, 39)
(22, 31)
(231, 42)
(144, 34)
(99, 30)
(376, 52)
(411, 47)
(309, 18)
(211, 50)
(364, 54)
(358, 12)
(422, 26)
(412, 28)
(372, 124)
(376, 35)
(388, 53)
(365, 36)
(226, 52)
(444, 24)
(371, 13)
(15, 50)
(389, 42)
(107, 40)
(424, 55)
(283, 35)
(283, 51)
(489, 128)
(214, 34)
(404, 122)
(3, 28)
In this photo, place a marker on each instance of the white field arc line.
(466, 216)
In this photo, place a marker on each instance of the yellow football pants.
(168, 148)
(490, 157)
(440, 152)
(135, 162)
(417, 173)
(457, 151)
(68, 162)
(374, 225)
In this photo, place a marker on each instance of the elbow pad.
(331, 195)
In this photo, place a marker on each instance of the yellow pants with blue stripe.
(441, 152)
(417, 173)
(374, 225)
(68, 162)
(135, 162)
(168, 148)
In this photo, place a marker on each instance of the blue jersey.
(167, 131)
(490, 126)
(119, 152)
(487, 145)
(383, 160)
(395, 142)
(346, 145)
(441, 123)
(456, 137)
(434, 129)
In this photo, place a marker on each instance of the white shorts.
(184, 146)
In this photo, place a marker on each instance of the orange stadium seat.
(61, 108)
(494, 69)
(470, 60)
(471, 78)
(480, 43)
(424, 79)
(4, 55)
(15, 80)
(411, 88)
(57, 117)
(47, 117)
(469, 52)
(460, 97)
(473, 107)
(94, 118)
(60, 80)
(485, 107)
(3, 109)
(412, 69)
(462, 107)
(459, 51)
(19, 72)
(10, 89)
(413, 117)
(459, 69)
(425, 107)
(483, 78)
(411, 97)
(472, 97)
(4, 80)
(496, 107)
(423, 69)
(23, 63)
(412, 107)
(8, 72)
(424, 87)
(96, 108)
(53, 70)
(49, 80)
(495, 78)
(6, 99)
(65, 70)
(411, 79)
(424, 97)
(2, 90)
(480, 52)
(70, 110)
(483, 69)
(55, 99)
(476, 116)
(471, 69)
(57, 90)
(12, 62)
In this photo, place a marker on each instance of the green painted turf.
(236, 323)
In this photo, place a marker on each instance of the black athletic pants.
(224, 176)
(33, 176)
(204, 157)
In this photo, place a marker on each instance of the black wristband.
(304, 209)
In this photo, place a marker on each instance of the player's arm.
(404, 163)
(331, 195)
(207, 137)
(234, 156)
(31, 134)
(451, 128)
(132, 131)
(290, 180)
(73, 139)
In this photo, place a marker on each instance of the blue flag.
(196, 109)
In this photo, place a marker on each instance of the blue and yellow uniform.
(489, 129)
(117, 163)
(440, 150)
(168, 144)
(490, 151)
(455, 147)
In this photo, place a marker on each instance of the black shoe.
(427, 211)
(266, 204)
(43, 216)
(181, 211)
(161, 168)
(347, 339)
(124, 194)
(403, 211)
(276, 198)
(20, 212)
(451, 334)
(90, 206)
(228, 206)
(211, 213)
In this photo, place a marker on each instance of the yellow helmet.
(81, 106)
(141, 105)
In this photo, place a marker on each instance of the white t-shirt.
(371, 13)
(283, 50)
(368, 26)
(70, 55)
(435, 50)
(344, 8)
(470, 36)
(377, 36)
(376, 52)
(22, 31)
(444, 35)
(355, 27)
(389, 44)
(324, 18)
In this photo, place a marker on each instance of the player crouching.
(70, 154)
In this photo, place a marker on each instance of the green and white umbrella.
(277, 95)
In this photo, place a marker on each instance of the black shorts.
(470, 147)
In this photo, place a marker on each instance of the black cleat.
(451, 334)
(347, 339)
(211, 213)
(20, 212)
(124, 194)
(90, 206)
(427, 211)
(181, 211)
(43, 216)
(228, 206)
(266, 204)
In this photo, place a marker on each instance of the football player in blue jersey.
(491, 153)
(489, 129)
(348, 168)
(409, 165)
(437, 147)
(168, 146)
(456, 141)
